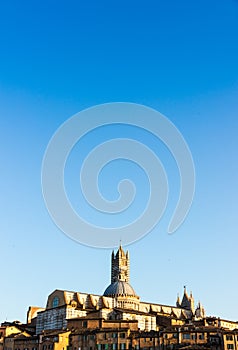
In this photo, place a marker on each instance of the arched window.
(55, 302)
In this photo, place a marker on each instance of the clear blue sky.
(179, 57)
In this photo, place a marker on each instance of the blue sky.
(57, 58)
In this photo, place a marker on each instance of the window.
(85, 324)
(122, 335)
(123, 346)
(201, 336)
(114, 335)
(230, 346)
(114, 346)
(229, 337)
(55, 302)
(186, 336)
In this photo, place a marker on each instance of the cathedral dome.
(121, 288)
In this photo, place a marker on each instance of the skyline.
(180, 59)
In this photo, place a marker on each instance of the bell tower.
(120, 266)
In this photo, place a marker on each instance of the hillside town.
(117, 320)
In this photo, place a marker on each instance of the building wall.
(98, 334)
(31, 343)
(32, 313)
(54, 341)
(56, 318)
(230, 341)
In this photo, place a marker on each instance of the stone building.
(118, 320)
(54, 340)
(99, 334)
(118, 302)
(15, 336)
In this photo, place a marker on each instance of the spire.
(187, 302)
(120, 251)
(120, 247)
(200, 311)
(178, 301)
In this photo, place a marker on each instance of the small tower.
(120, 266)
(187, 301)
(200, 311)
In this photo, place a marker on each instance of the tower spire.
(178, 301)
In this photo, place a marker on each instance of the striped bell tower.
(120, 266)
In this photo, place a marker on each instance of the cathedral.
(118, 320)
(118, 302)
